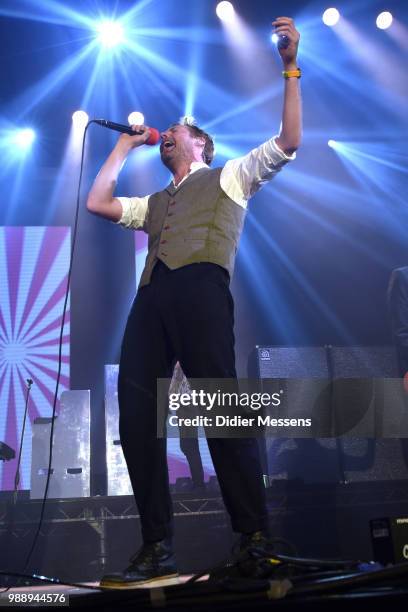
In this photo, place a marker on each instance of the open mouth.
(167, 145)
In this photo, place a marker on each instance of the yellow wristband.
(292, 73)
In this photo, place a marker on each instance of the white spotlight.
(331, 143)
(110, 33)
(384, 20)
(24, 138)
(80, 119)
(331, 16)
(225, 11)
(136, 118)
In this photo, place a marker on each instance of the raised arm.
(242, 177)
(291, 129)
(100, 198)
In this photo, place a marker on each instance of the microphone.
(283, 42)
(126, 129)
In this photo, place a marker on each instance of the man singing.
(183, 311)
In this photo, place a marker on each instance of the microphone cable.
(64, 311)
(154, 138)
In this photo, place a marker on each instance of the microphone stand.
(17, 475)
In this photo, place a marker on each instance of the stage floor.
(65, 595)
(201, 597)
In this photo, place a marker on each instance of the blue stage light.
(24, 138)
(331, 16)
(136, 118)
(110, 33)
(384, 20)
(225, 11)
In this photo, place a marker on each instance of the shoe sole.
(168, 580)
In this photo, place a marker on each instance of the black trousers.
(186, 315)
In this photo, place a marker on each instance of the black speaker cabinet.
(336, 459)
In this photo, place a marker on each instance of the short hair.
(208, 151)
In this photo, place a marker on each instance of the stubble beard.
(175, 159)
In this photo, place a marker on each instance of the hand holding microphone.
(139, 134)
(288, 40)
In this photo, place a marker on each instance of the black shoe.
(154, 562)
(257, 543)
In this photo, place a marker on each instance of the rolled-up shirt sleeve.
(242, 177)
(134, 212)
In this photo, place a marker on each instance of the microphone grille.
(154, 137)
